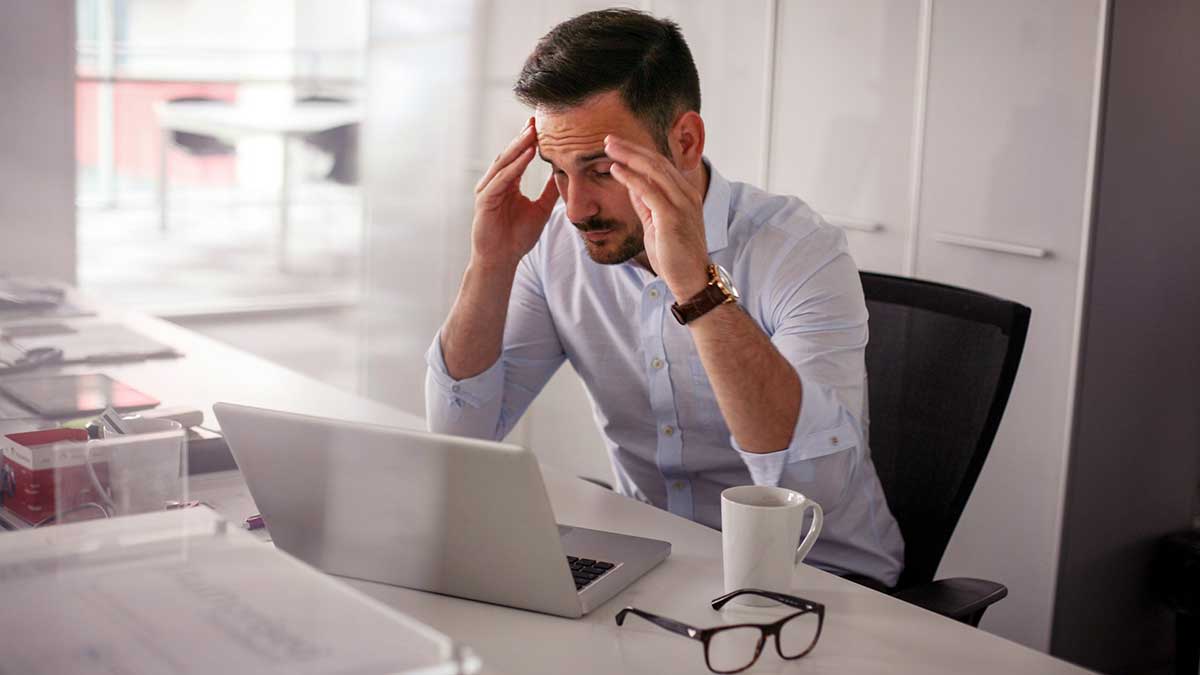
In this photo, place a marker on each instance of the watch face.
(727, 282)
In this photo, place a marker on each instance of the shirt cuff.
(473, 391)
(823, 428)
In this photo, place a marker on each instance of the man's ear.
(687, 140)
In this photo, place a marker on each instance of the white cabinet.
(842, 134)
(728, 41)
(1006, 168)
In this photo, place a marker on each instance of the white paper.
(182, 596)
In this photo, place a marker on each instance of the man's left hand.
(672, 213)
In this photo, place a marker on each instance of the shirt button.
(669, 430)
(455, 388)
(835, 440)
(678, 485)
(656, 363)
(653, 292)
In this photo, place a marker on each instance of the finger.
(549, 194)
(643, 211)
(522, 141)
(642, 188)
(515, 147)
(509, 175)
(655, 166)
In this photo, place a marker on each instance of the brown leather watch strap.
(700, 304)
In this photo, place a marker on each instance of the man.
(634, 277)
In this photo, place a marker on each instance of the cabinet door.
(1003, 201)
(842, 119)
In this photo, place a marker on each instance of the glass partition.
(217, 153)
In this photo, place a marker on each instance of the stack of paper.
(180, 592)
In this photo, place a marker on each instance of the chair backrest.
(199, 144)
(341, 142)
(940, 365)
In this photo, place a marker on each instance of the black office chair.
(940, 365)
(199, 145)
(339, 142)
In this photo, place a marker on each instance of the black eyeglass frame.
(705, 635)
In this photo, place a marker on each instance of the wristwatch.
(719, 291)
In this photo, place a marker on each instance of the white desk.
(231, 122)
(865, 632)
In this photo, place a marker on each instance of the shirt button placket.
(668, 450)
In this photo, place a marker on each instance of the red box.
(39, 473)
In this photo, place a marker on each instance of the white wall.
(37, 139)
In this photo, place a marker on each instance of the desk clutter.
(115, 467)
(183, 592)
(27, 346)
(23, 297)
(75, 471)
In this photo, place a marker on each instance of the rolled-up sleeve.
(489, 404)
(819, 324)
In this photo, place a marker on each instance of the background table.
(232, 121)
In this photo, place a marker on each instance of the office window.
(217, 152)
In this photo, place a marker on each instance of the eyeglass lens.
(798, 634)
(734, 649)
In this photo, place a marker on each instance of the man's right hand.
(507, 223)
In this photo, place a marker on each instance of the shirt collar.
(716, 210)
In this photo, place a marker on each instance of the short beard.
(630, 248)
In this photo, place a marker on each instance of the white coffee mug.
(760, 526)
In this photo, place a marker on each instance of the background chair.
(199, 145)
(339, 142)
(940, 365)
(196, 145)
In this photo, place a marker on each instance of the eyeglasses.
(734, 648)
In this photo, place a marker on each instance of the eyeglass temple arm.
(662, 622)
(789, 600)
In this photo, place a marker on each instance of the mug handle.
(814, 529)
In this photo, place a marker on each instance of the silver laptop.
(438, 513)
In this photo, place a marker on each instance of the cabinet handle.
(991, 245)
(852, 224)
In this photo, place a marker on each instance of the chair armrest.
(961, 599)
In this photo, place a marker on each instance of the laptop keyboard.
(586, 570)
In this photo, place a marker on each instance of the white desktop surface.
(865, 631)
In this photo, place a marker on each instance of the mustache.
(596, 224)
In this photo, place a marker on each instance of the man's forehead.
(579, 131)
(569, 143)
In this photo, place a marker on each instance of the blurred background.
(294, 177)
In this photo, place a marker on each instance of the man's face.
(572, 142)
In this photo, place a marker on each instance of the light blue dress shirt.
(651, 397)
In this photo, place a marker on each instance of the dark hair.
(644, 58)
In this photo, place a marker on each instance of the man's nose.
(580, 204)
